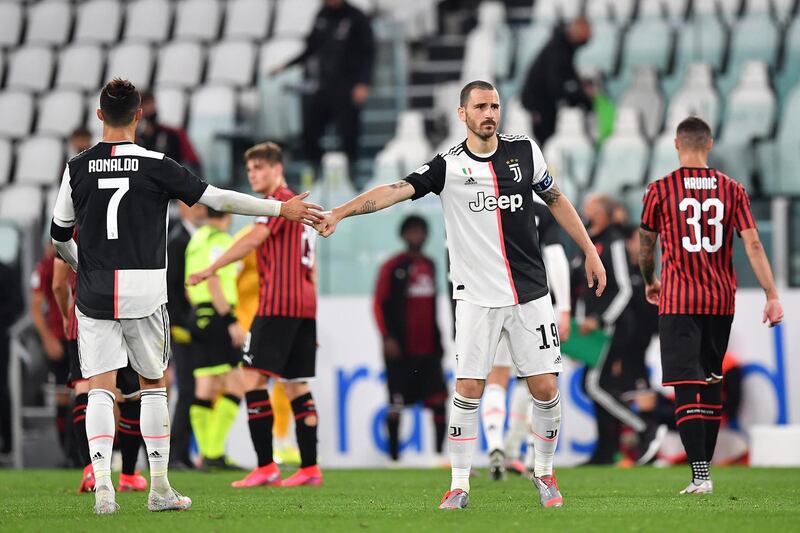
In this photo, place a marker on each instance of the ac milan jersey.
(286, 267)
(118, 193)
(72, 328)
(42, 282)
(490, 219)
(694, 211)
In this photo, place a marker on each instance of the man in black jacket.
(339, 57)
(552, 78)
(11, 306)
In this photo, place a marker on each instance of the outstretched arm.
(373, 200)
(244, 204)
(246, 244)
(773, 312)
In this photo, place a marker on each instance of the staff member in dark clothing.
(552, 78)
(172, 142)
(11, 306)
(405, 310)
(339, 56)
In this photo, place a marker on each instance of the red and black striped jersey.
(286, 267)
(72, 327)
(42, 282)
(694, 211)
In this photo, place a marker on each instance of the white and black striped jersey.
(118, 195)
(490, 219)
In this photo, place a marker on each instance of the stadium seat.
(133, 61)
(664, 157)
(50, 197)
(530, 41)
(22, 204)
(674, 10)
(5, 161)
(198, 20)
(93, 123)
(49, 23)
(754, 38)
(456, 134)
(40, 161)
(9, 242)
(294, 18)
(16, 108)
(335, 187)
(213, 112)
(602, 50)
(171, 103)
(409, 144)
(701, 40)
(148, 21)
(619, 11)
(488, 49)
(60, 112)
(569, 153)
(648, 42)
(280, 113)
(779, 160)
(730, 10)
(553, 11)
(697, 96)
(10, 24)
(247, 19)
(643, 93)
(30, 68)
(232, 63)
(783, 10)
(180, 64)
(623, 157)
(80, 67)
(99, 22)
(516, 120)
(790, 69)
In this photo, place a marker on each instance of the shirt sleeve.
(63, 211)
(650, 219)
(542, 180)
(382, 290)
(274, 224)
(179, 182)
(428, 178)
(37, 278)
(743, 217)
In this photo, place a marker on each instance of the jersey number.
(122, 186)
(697, 209)
(553, 333)
(307, 244)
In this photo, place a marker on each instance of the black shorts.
(283, 347)
(693, 347)
(60, 368)
(211, 343)
(415, 379)
(74, 364)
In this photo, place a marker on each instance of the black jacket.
(616, 297)
(178, 306)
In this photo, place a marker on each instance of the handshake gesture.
(298, 210)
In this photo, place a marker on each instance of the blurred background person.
(172, 142)
(79, 140)
(11, 307)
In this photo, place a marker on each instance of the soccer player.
(218, 340)
(695, 211)
(405, 311)
(118, 193)
(282, 342)
(486, 185)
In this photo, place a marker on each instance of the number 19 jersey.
(694, 211)
(118, 193)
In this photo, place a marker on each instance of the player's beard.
(478, 130)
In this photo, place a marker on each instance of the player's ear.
(462, 114)
(677, 144)
(138, 115)
(709, 144)
(99, 113)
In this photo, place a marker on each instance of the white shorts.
(105, 345)
(528, 332)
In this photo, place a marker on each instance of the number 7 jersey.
(119, 193)
(694, 211)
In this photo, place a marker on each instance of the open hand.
(773, 313)
(299, 211)
(595, 270)
(652, 291)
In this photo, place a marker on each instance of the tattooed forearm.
(399, 184)
(367, 207)
(647, 249)
(551, 196)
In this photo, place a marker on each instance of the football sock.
(546, 423)
(200, 417)
(222, 417)
(259, 418)
(305, 424)
(393, 426)
(79, 427)
(62, 414)
(518, 419)
(689, 415)
(281, 412)
(100, 433)
(440, 425)
(130, 434)
(711, 398)
(493, 415)
(462, 436)
(155, 432)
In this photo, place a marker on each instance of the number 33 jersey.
(119, 193)
(694, 211)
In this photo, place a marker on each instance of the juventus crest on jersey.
(490, 219)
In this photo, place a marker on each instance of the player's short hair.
(80, 131)
(268, 151)
(213, 213)
(413, 221)
(694, 133)
(119, 102)
(467, 90)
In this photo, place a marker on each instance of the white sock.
(154, 422)
(100, 426)
(463, 432)
(518, 419)
(493, 415)
(546, 425)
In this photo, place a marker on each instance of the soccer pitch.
(596, 499)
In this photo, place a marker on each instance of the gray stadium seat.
(697, 96)
(133, 61)
(9, 242)
(569, 153)
(30, 68)
(10, 24)
(648, 42)
(643, 94)
(701, 40)
(99, 22)
(790, 70)
(5, 161)
(40, 161)
(60, 112)
(232, 63)
(516, 119)
(148, 21)
(754, 38)
(664, 157)
(619, 11)
(530, 41)
(247, 19)
(674, 10)
(280, 113)
(80, 67)
(551, 11)
(198, 20)
(213, 111)
(779, 160)
(16, 108)
(22, 204)
(171, 103)
(49, 23)
(294, 18)
(729, 9)
(623, 157)
(180, 64)
(601, 51)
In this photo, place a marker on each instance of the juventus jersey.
(118, 193)
(490, 219)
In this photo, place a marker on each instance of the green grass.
(596, 499)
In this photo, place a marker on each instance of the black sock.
(440, 423)
(711, 399)
(130, 434)
(79, 427)
(305, 409)
(259, 418)
(62, 412)
(393, 426)
(691, 426)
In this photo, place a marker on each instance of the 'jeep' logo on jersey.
(490, 203)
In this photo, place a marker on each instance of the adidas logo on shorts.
(558, 360)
